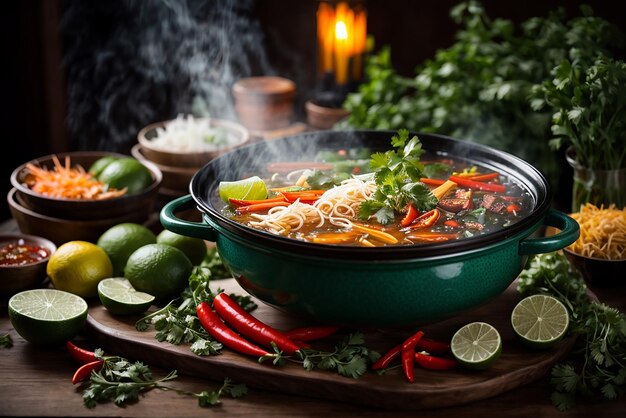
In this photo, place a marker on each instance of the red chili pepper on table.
(310, 333)
(432, 346)
(84, 371)
(80, 354)
(251, 327)
(386, 359)
(408, 355)
(218, 330)
(434, 363)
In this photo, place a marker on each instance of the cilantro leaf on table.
(396, 174)
(6, 341)
(350, 358)
(122, 381)
(597, 364)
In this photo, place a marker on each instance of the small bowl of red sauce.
(23, 261)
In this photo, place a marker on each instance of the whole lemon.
(77, 267)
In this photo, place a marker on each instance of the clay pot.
(264, 103)
(322, 117)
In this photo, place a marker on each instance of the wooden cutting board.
(516, 366)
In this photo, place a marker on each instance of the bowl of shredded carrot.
(600, 251)
(61, 186)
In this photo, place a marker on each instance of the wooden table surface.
(35, 381)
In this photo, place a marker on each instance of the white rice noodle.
(337, 206)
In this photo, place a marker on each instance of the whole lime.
(126, 173)
(158, 269)
(78, 266)
(99, 165)
(194, 248)
(121, 240)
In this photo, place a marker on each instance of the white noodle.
(336, 205)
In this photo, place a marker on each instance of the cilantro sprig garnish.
(397, 173)
(6, 341)
(122, 381)
(178, 323)
(597, 365)
(350, 358)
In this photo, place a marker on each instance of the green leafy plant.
(6, 341)
(397, 174)
(178, 323)
(121, 381)
(478, 89)
(597, 365)
(350, 358)
(590, 110)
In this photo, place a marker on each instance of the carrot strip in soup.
(432, 182)
(469, 183)
(260, 207)
(485, 177)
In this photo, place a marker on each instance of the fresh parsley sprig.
(6, 341)
(397, 173)
(121, 381)
(178, 323)
(597, 365)
(350, 358)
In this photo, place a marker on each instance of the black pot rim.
(525, 174)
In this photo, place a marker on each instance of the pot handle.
(183, 227)
(569, 232)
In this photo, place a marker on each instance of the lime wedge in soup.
(252, 188)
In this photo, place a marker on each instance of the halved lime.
(476, 345)
(252, 188)
(540, 321)
(47, 316)
(121, 298)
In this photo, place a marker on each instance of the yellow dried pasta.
(602, 232)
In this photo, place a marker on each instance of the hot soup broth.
(321, 202)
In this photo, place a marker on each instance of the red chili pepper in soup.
(19, 252)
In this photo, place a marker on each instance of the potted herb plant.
(589, 104)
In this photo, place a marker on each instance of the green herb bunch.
(590, 110)
(350, 358)
(597, 365)
(479, 87)
(122, 381)
(397, 173)
(178, 322)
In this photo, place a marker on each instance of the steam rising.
(131, 63)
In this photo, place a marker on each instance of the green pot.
(382, 286)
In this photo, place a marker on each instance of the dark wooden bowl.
(598, 273)
(78, 209)
(239, 135)
(60, 230)
(14, 279)
(174, 178)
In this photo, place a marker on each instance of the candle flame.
(341, 31)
